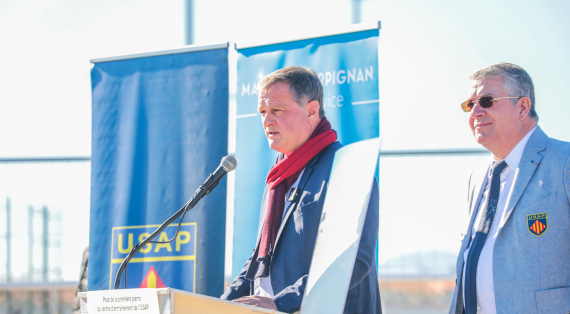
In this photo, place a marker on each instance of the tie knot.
(497, 167)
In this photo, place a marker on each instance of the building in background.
(40, 260)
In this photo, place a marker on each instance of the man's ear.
(524, 107)
(313, 110)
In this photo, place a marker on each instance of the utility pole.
(8, 240)
(356, 11)
(9, 252)
(30, 303)
(45, 243)
(30, 243)
(45, 256)
(189, 22)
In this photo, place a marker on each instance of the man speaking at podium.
(290, 102)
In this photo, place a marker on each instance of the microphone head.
(229, 163)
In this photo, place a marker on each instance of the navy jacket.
(295, 243)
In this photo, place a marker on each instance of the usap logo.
(157, 265)
(537, 224)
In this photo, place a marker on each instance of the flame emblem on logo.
(152, 280)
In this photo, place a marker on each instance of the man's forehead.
(278, 91)
(263, 97)
(485, 87)
(279, 85)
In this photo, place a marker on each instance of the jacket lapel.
(529, 162)
(306, 174)
(478, 190)
(263, 212)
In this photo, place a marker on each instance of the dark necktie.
(481, 235)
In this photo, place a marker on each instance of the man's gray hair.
(517, 82)
(304, 83)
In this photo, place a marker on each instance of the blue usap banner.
(347, 65)
(159, 128)
(178, 255)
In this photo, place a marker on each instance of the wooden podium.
(173, 301)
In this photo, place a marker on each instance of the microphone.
(228, 164)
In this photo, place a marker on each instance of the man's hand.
(256, 300)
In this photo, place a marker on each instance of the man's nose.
(267, 120)
(477, 110)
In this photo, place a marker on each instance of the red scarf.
(283, 175)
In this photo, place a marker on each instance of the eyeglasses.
(485, 102)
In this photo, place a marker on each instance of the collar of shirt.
(514, 157)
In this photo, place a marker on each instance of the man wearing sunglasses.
(515, 256)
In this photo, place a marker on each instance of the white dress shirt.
(262, 285)
(485, 288)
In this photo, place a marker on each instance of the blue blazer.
(531, 273)
(295, 243)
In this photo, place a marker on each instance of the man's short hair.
(517, 82)
(304, 83)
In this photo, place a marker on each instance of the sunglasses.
(485, 102)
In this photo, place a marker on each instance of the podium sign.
(128, 301)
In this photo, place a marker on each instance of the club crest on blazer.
(537, 224)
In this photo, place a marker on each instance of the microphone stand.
(228, 164)
(201, 192)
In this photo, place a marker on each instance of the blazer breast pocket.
(306, 208)
(543, 203)
(307, 219)
(553, 300)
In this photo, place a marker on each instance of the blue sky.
(427, 49)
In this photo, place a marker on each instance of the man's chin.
(481, 138)
(484, 141)
(274, 146)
